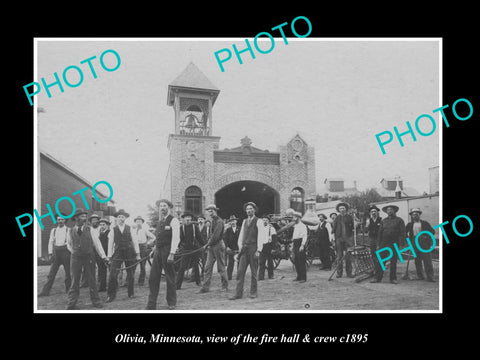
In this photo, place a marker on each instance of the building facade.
(201, 173)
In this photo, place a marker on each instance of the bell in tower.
(192, 97)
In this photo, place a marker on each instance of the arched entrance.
(230, 198)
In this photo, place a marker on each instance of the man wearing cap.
(143, 237)
(215, 251)
(425, 242)
(83, 246)
(265, 259)
(299, 238)
(122, 248)
(102, 265)
(167, 235)
(252, 237)
(190, 239)
(392, 230)
(343, 230)
(231, 242)
(59, 251)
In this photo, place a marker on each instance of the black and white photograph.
(251, 189)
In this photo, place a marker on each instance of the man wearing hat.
(413, 228)
(373, 225)
(94, 220)
(215, 251)
(190, 239)
(265, 259)
(167, 235)
(143, 237)
(122, 248)
(252, 237)
(60, 252)
(392, 230)
(102, 266)
(299, 238)
(83, 246)
(343, 230)
(231, 242)
(204, 227)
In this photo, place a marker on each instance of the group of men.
(95, 245)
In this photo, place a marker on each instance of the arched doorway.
(230, 198)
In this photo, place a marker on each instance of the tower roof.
(192, 78)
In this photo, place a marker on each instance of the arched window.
(297, 199)
(193, 200)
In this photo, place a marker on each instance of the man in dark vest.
(392, 230)
(252, 237)
(83, 256)
(343, 230)
(425, 242)
(231, 243)
(373, 225)
(190, 240)
(122, 248)
(215, 251)
(167, 240)
(102, 266)
(60, 253)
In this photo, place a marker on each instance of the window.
(193, 200)
(297, 199)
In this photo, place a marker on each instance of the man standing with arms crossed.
(252, 237)
(167, 236)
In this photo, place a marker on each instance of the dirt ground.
(280, 293)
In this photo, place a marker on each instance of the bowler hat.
(417, 210)
(212, 207)
(168, 202)
(373, 207)
(185, 214)
(251, 203)
(342, 204)
(121, 212)
(94, 216)
(232, 217)
(395, 208)
(322, 215)
(79, 211)
(139, 218)
(104, 220)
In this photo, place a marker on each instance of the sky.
(337, 95)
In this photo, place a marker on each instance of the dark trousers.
(393, 263)
(102, 273)
(230, 265)
(426, 259)
(61, 258)
(215, 253)
(121, 255)
(265, 261)
(300, 260)
(160, 262)
(324, 253)
(143, 273)
(77, 263)
(247, 258)
(342, 244)
(186, 262)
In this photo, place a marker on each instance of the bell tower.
(191, 172)
(192, 97)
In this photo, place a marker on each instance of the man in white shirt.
(251, 238)
(299, 237)
(167, 235)
(60, 253)
(122, 248)
(143, 237)
(266, 259)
